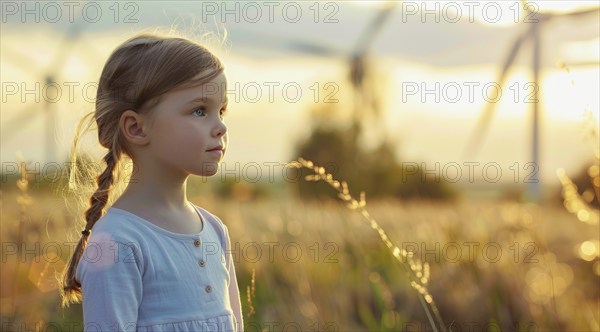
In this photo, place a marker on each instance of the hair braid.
(100, 197)
(71, 290)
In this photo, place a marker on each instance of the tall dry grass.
(347, 279)
(416, 271)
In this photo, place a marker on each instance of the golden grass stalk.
(417, 272)
(250, 295)
(24, 200)
(573, 201)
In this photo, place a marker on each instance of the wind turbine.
(357, 63)
(23, 118)
(532, 35)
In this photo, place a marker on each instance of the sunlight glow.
(581, 51)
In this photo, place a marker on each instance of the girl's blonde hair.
(135, 77)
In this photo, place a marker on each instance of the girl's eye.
(199, 109)
(224, 112)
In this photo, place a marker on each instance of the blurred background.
(472, 128)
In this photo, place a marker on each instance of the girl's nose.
(220, 129)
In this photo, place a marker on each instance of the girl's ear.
(131, 125)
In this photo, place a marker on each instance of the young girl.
(154, 261)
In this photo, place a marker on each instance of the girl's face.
(187, 123)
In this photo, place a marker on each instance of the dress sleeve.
(111, 281)
(234, 292)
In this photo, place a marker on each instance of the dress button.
(208, 289)
(197, 242)
(202, 263)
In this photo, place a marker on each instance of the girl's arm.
(234, 292)
(111, 282)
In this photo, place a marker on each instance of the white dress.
(137, 276)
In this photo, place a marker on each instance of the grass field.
(493, 266)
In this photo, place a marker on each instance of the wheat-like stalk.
(573, 201)
(417, 272)
(250, 294)
(24, 200)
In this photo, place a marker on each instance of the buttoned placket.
(204, 280)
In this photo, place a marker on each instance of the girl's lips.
(220, 152)
(218, 147)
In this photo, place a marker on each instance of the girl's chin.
(205, 169)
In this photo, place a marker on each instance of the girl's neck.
(166, 207)
(157, 193)
(149, 197)
(175, 216)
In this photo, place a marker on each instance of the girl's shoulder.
(117, 225)
(211, 216)
(216, 223)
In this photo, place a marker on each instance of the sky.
(435, 74)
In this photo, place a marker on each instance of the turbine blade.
(579, 13)
(11, 57)
(313, 48)
(66, 45)
(582, 64)
(15, 124)
(477, 136)
(368, 35)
